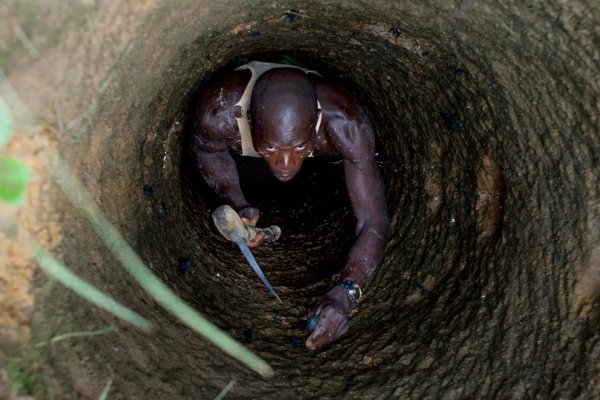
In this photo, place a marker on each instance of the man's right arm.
(220, 172)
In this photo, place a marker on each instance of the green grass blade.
(104, 394)
(225, 390)
(113, 239)
(61, 273)
(5, 123)
(70, 335)
(131, 261)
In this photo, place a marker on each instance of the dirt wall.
(486, 117)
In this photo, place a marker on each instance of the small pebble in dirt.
(254, 33)
(275, 317)
(370, 362)
(184, 265)
(460, 72)
(294, 343)
(396, 32)
(311, 324)
(148, 191)
(292, 15)
(163, 211)
(453, 122)
(424, 292)
(248, 334)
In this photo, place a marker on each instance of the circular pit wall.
(486, 119)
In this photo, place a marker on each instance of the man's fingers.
(332, 324)
(259, 238)
(254, 219)
(321, 339)
(249, 216)
(245, 221)
(257, 241)
(316, 310)
(342, 328)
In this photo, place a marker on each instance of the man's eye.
(270, 148)
(301, 147)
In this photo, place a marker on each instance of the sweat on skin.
(294, 114)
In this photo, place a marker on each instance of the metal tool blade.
(246, 251)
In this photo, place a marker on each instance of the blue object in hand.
(311, 324)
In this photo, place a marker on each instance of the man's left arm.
(365, 187)
(367, 195)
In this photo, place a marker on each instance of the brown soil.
(486, 124)
(17, 266)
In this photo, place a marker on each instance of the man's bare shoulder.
(346, 125)
(215, 110)
(334, 97)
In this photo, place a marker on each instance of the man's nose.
(286, 162)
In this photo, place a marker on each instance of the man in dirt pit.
(284, 114)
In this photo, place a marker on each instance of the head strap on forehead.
(258, 68)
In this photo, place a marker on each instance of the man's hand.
(249, 216)
(332, 311)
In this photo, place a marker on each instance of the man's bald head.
(283, 114)
(283, 106)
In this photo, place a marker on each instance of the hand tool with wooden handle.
(230, 225)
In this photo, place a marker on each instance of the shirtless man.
(285, 114)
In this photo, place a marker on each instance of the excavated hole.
(486, 197)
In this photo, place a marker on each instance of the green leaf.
(13, 179)
(5, 123)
